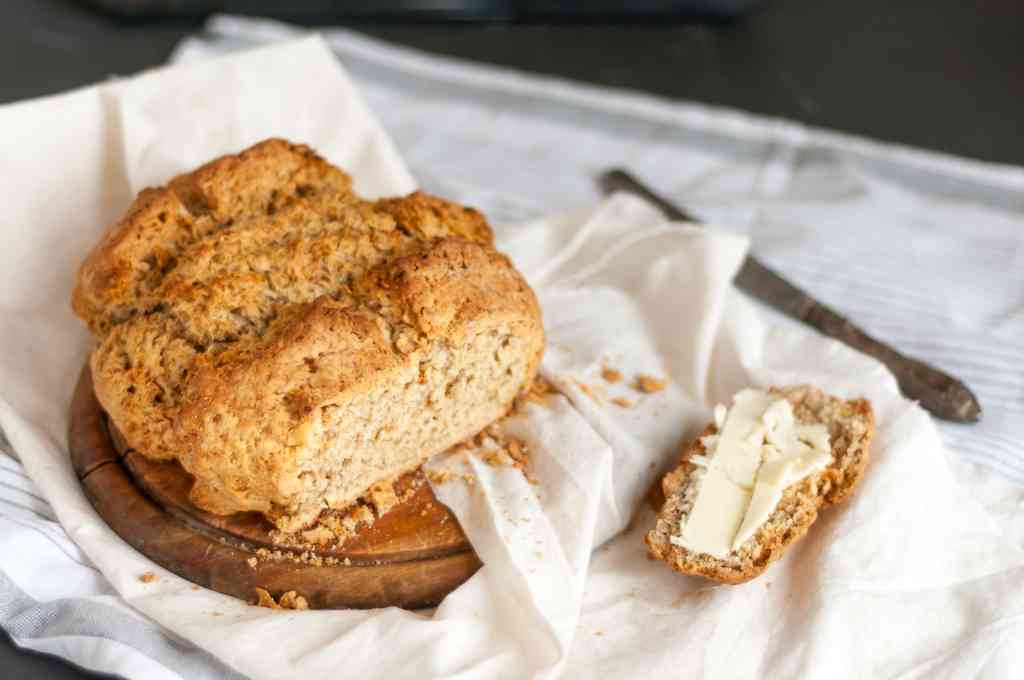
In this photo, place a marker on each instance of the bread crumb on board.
(289, 600)
(306, 557)
(648, 384)
(332, 527)
(147, 577)
(292, 600)
(319, 534)
(383, 497)
(252, 562)
(336, 527)
(622, 402)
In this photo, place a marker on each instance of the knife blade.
(938, 392)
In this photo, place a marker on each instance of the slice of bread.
(850, 425)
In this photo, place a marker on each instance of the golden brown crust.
(135, 252)
(431, 217)
(232, 334)
(138, 371)
(851, 428)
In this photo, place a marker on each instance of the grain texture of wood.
(410, 557)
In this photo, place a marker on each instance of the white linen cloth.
(914, 577)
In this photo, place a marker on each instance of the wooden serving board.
(411, 557)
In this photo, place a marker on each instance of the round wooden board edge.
(221, 565)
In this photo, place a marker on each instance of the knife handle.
(937, 391)
(620, 180)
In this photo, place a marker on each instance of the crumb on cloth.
(147, 577)
(506, 451)
(445, 476)
(648, 384)
(537, 393)
(491, 446)
(610, 374)
(439, 476)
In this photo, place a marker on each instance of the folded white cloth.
(923, 577)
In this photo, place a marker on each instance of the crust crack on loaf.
(292, 343)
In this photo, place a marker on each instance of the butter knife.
(938, 392)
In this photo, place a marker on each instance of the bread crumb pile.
(494, 447)
(336, 527)
(307, 557)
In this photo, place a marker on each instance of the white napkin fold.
(909, 578)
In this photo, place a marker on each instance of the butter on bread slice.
(850, 425)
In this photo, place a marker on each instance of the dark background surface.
(945, 75)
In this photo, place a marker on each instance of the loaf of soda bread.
(291, 343)
(850, 426)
